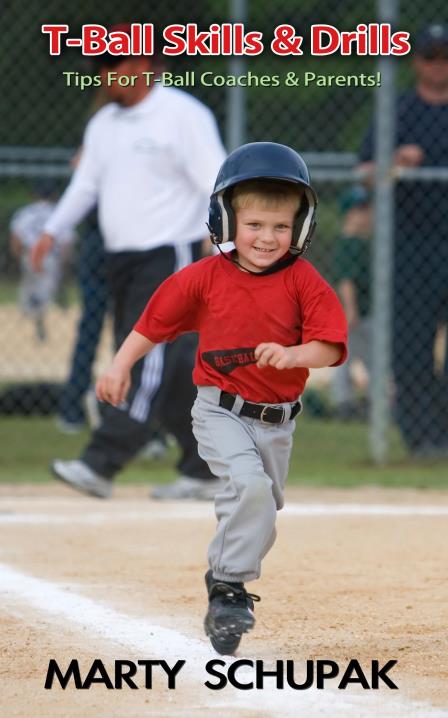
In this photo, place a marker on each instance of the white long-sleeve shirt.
(150, 168)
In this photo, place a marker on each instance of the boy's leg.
(252, 459)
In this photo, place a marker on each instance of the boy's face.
(263, 236)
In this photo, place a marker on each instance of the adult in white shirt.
(149, 162)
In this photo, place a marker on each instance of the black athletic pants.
(420, 305)
(162, 386)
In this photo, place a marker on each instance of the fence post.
(382, 250)
(236, 96)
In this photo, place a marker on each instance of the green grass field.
(326, 453)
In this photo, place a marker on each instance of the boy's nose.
(267, 235)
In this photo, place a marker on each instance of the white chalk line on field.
(194, 511)
(140, 635)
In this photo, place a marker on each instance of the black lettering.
(172, 672)
(148, 671)
(359, 677)
(261, 673)
(122, 675)
(97, 666)
(290, 678)
(54, 671)
(210, 668)
(321, 675)
(232, 677)
(380, 673)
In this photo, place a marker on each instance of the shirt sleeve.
(174, 309)
(81, 195)
(323, 317)
(201, 148)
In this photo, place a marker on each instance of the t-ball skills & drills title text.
(229, 39)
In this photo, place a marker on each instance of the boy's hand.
(113, 385)
(272, 354)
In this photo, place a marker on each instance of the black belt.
(262, 412)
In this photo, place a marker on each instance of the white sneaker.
(186, 487)
(154, 450)
(82, 477)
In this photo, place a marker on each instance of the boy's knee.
(256, 489)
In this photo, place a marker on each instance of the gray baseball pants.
(252, 459)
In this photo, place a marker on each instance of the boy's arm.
(113, 385)
(313, 355)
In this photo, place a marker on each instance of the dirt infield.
(354, 575)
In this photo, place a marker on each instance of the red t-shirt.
(234, 311)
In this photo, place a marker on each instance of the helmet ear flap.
(214, 223)
(221, 218)
(304, 223)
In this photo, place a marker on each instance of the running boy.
(264, 317)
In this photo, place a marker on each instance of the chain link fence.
(381, 238)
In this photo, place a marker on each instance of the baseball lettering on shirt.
(226, 360)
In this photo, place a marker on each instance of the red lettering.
(148, 38)
(55, 32)
(374, 39)
(346, 42)
(385, 39)
(223, 361)
(196, 41)
(136, 39)
(215, 40)
(362, 39)
(254, 44)
(232, 39)
(119, 43)
(94, 39)
(171, 34)
(401, 44)
(318, 33)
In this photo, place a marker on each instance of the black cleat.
(229, 615)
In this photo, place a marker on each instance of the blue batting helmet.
(266, 161)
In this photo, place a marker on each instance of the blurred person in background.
(420, 271)
(351, 272)
(77, 402)
(149, 161)
(38, 289)
(92, 282)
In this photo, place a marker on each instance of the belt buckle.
(266, 408)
